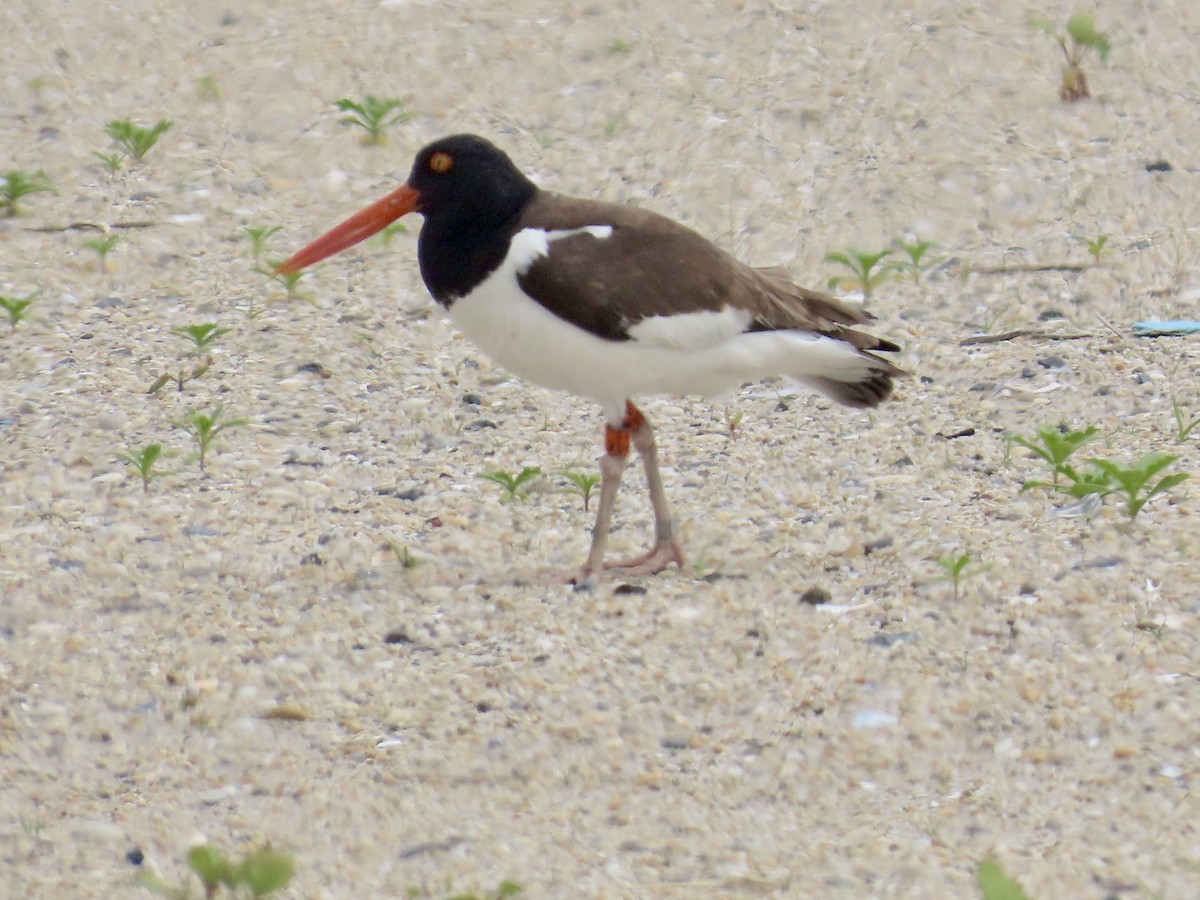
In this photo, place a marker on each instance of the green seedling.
(205, 428)
(1081, 35)
(404, 556)
(916, 265)
(581, 483)
(383, 238)
(512, 484)
(375, 115)
(866, 271)
(617, 46)
(289, 280)
(111, 161)
(258, 874)
(258, 238)
(733, 420)
(995, 884)
(142, 462)
(1183, 426)
(1096, 248)
(1133, 482)
(103, 246)
(16, 185)
(134, 140)
(202, 336)
(181, 377)
(1054, 448)
(207, 89)
(502, 891)
(15, 307)
(956, 569)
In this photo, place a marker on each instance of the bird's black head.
(465, 181)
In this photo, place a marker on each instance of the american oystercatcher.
(610, 302)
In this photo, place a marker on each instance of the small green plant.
(1080, 36)
(581, 483)
(181, 377)
(384, 237)
(957, 568)
(375, 115)
(202, 336)
(995, 884)
(111, 161)
(617, 46)
(512, 484)
(866, 271)
(205, 428)
(289, 280)
(15, 307)
(258, 236)
(404, 556)
(207, 88)
(502, 891)
(103, 246)
(1183, 425)
(257, 874)
(142, 462)
(16, 184)
(1133, 482)
(916, 265)
(134, 140)
(1054, 447)
(1096, 248)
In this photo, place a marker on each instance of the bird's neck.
(460, 247)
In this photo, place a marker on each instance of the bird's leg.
(666, 549)
(612, 465)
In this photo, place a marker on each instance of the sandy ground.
(212, 658)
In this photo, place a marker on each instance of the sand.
(341, 641)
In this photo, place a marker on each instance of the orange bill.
(360, 226)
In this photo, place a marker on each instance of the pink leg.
(666, 550)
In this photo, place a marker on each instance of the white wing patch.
(691, 331)
(530, 244)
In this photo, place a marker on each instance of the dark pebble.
(815, 596)
(887, 639)
(480, 425)
(1047, 314)
(313, 559)
(472, 399)
(1052, 362)
(878, 544)
(1142, 378)
(135, 857)
(1159, 165)
(1102, 562)
(398, 636)
(622, 589)
(980, 386)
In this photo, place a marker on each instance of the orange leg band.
(616, 437)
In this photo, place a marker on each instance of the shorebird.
(610, 302)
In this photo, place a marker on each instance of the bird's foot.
(651, 562)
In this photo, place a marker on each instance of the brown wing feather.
(652, 266)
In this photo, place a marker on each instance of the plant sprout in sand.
(375, 115)
(16, 184)
(15, 307)
(136, 140)
(1081, 35)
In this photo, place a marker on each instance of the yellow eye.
(441, 162)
